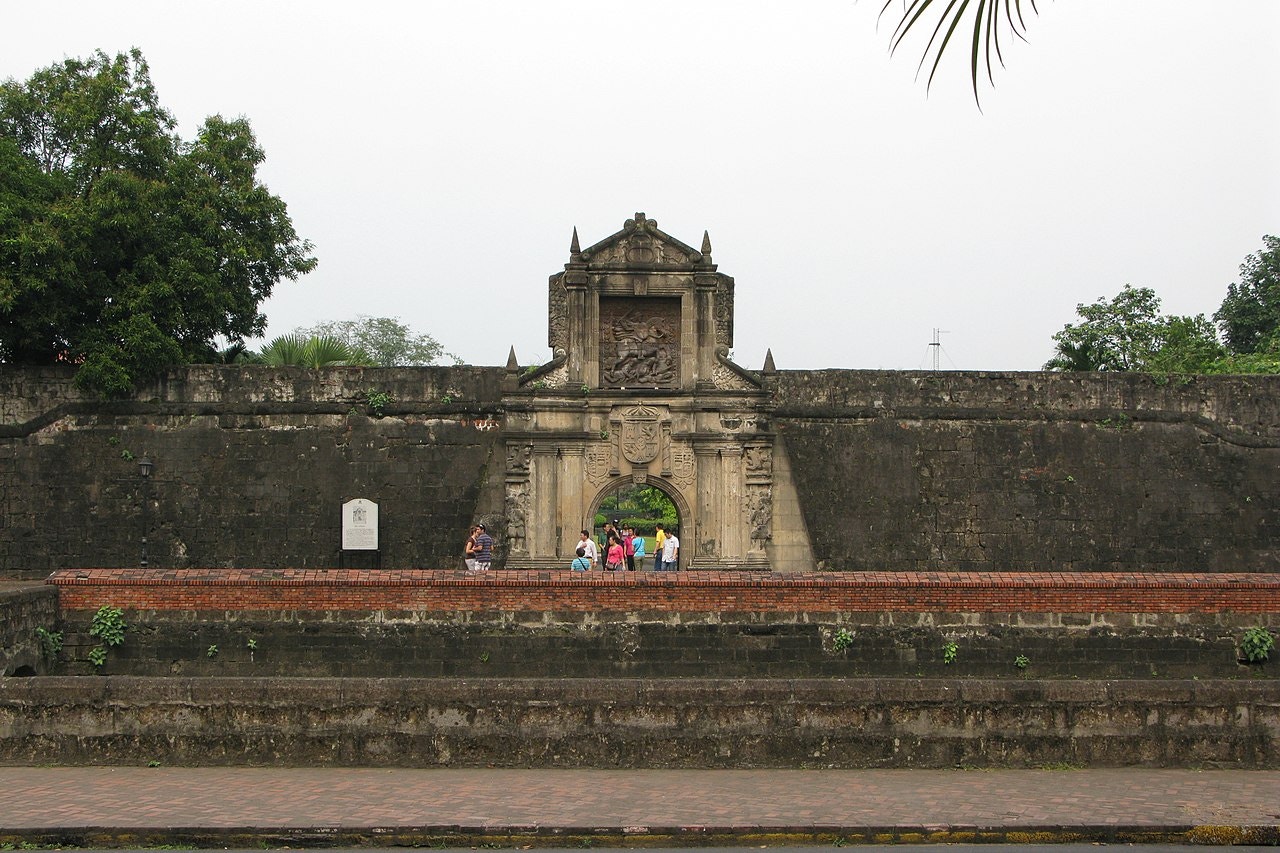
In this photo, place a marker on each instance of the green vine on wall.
(1257, 644)
(108, 625)
(377, 401)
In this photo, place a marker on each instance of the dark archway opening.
(642, 508)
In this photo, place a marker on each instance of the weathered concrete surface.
(682, 645)
(638, 723)
(23, 609)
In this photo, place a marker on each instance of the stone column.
(705, 328)
(704, 543)
(571, 510)
(541, 523)
(733, 540)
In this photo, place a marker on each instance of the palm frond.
(985, 40)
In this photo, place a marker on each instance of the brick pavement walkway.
(328, 805)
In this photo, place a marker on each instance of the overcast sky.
(439, 154)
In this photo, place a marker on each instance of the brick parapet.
(357, 590)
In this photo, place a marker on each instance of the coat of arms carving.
(683, 464)
(599, 460)
(641, 434)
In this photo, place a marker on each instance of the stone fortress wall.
(878, 470)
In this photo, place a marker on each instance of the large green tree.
(1128, 332)
(385, 341)
(123, 248)
(1250, 315)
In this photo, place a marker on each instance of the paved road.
(307, 806)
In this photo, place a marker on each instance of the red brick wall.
(678, 592)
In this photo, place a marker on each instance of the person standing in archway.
(615, 558)
(629, 547)
(671, 552)
(588, 545)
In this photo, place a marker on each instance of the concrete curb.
(520, 836)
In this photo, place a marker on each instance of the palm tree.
(987, 24)
(319, 351)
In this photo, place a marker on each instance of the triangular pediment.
(640, 244)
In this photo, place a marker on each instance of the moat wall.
(889, 470)
(638, 723)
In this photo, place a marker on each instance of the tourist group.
(619, 549)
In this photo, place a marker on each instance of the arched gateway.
(640, 389)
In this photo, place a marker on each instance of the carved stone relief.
(683, 465)
(558, 317)
(724, 315)
(639, 342)
(759, 508)
(726, 380)
(759, 461)
(599, 459)
(641, 246)
(518, 457)
(517, 509)
(641, 434)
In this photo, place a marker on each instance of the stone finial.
(512, 364)
(573, 244)
(768, 362)
(706, 244)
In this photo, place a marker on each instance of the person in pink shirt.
(616, 556)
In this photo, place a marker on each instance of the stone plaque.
(359, 525)
(639, 342)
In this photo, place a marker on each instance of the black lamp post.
(144, 468)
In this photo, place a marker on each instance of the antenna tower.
(937, 348)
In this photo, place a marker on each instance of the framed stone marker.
(360, 525)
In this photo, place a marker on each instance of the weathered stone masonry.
(887, 470)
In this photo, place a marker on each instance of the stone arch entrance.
(641, 390)
(684, 515)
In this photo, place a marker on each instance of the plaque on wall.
(639, 342)
(360, 525)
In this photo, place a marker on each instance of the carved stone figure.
(640, 342)
(517, 513)
(760, 512)
(518, 458)
(759, 460)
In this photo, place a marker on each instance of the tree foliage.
(1120, 334)
(298, 350)
(124, 249)
(385, 341)
(1250, 315)
(1129, 332)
